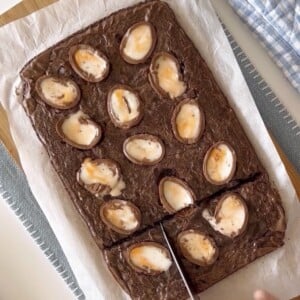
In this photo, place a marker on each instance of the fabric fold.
(276, 23)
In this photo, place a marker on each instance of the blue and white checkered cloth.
(277, 25)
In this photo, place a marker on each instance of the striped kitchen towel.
(277, 25)
(16, 191)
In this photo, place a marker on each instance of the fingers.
(262, 295)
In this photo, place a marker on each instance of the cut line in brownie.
(207, 253)
(137, 183)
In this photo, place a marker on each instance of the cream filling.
(58, 93)
(125, 105)
(188, 121)
(79, 133)
(231, 217)
(139, 42)
(122, 217)
(102, 173)
(176, 195)
(168, 77)
(198, 246)
(144, 149)
(150, 257)
(117, 189)
(91, 63)
(220, 163)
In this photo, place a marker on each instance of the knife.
(176, 263)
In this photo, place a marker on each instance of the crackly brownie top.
(134, 122)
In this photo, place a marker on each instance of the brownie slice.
(263, 233)
(165, 285)
(181, 160)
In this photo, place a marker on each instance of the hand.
(262, 295)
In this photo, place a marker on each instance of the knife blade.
(176, 263)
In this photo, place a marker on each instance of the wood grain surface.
(23, 9)
(26, 7)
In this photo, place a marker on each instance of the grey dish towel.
(15, 190)
(277, 119)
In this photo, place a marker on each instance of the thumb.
(262, 295)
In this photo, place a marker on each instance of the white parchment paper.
(278, 272)
(7, 4)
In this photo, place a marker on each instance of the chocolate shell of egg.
(58, 92)
(150, 258)
(101, 177)
(138, 43)
(188, 121)
(197, 247)
(121, 216)
(144, 149)
(175, 194)
(219, 163)
(230, 217)
(79, 131)
(89, 63)
(124, 107)
(165, 76)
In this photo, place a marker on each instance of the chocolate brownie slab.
(211, 241)
(62, 88)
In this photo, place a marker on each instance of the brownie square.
(166, 285)
(264, 233)
(181, 160)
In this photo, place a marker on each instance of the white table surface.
(26, 273)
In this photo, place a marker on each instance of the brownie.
(261, 216)
(166, 285)
(263, 233)
(182, 160)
